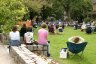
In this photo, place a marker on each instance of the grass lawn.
(59, 41)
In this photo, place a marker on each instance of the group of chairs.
(76, 48)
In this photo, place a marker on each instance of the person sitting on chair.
(76, 39)
(76, 44)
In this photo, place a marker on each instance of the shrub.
(87, 19)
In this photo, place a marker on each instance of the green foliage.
(87, 19)
(59, 41)
(10, 12)
(57, 10)
(0, 31)
(45, 12)
(80, 9)
(33, 5)
(38, 7)
(76, 8)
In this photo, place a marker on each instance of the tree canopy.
(37, 7)
(76, 9)
(10, 12)
(14, 10)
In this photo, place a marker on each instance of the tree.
(76, 8)
(10, 12)
(57, 10)
(37, 7)
(33, 7)
(80, 9)
(67, 6)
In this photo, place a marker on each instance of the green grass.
(59, 41)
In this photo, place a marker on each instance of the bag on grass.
(63, 53)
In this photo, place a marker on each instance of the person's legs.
(22, 40)
(14, 43)
(29, 43)
(48, 49)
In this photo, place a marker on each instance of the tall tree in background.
(80, 9)
(57, 10)
(46, 9)
(76, 9)
(32, 7)
(67, 6)
(37, 7)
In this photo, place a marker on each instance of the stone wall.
(39, 49)
(22, 55)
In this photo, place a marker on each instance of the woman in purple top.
(43, 36)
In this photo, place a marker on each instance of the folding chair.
(76, 48)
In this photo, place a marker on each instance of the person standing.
(43, 37)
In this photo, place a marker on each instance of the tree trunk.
(67, 16)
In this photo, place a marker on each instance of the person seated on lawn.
(14, 37)
(52, 28)
(88, 30)
(43, 37)
(28, 36)
(76, 39)
(83, 27)
(60, 29)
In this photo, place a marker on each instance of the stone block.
(22, 55)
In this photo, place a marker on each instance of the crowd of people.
(26, 34)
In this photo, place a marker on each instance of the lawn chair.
(76, 48)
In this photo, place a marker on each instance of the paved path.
(4, 55)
